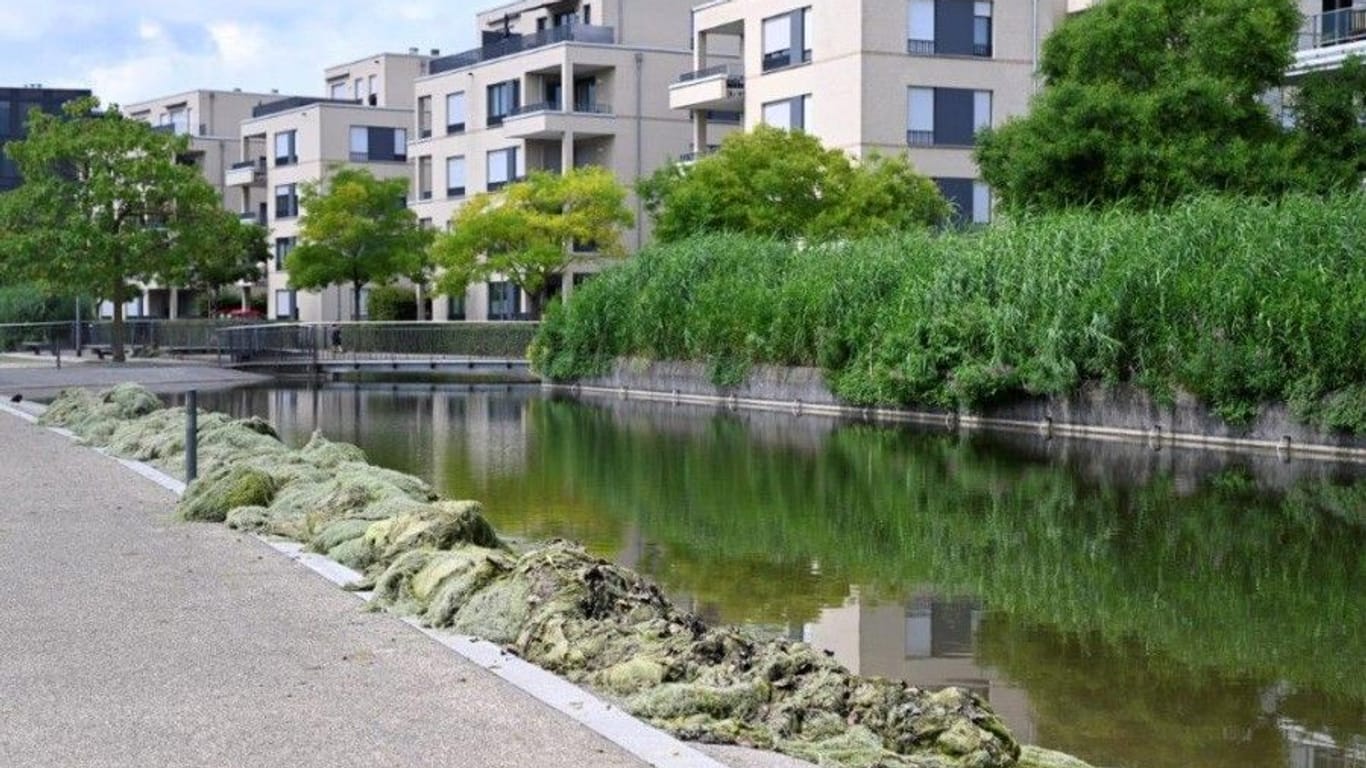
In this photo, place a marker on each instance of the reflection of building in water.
(926, 641)
(1306, 749)
(495, 434)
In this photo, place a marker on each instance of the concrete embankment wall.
(1116, 413)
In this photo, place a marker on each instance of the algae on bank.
(555, 605)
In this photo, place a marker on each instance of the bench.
(36, 347)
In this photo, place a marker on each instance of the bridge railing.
(299, 343)
(141, 336)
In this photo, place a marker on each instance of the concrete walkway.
(130, 639)
(37, 377)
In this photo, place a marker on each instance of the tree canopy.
(527, 231)
(356, 229)
(1330, 126)
(1148, 101)
(785, 184)
(105, 202)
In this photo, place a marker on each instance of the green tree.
(226, 251)
(1147, 101)
(527, 231)
(105, 203)
(1330, 126)
(356, 229)
(784, 184)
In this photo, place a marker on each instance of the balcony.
(1328, 39)
(721, 87)
(515, 44)
(248, 173)
(546, 120)
(247, 217)
(692, 156)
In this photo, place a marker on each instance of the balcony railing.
(735, 75)
(515, 44)
(920, 138)
(294, 102)
(694, 155)
(583, 108)
(259, 164)
(1345, 25)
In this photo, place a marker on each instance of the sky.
(133, 50)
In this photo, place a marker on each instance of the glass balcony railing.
(514, 44)
(1346, 25)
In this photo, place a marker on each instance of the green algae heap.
(554, 604)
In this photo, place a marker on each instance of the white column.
(567, 153)
(567, 83)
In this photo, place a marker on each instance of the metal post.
(77, 335)
(191, 435)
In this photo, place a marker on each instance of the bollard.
(191, 435)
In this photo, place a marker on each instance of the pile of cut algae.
(553, 604)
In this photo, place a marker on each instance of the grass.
(1238, 302)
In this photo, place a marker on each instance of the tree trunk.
(116, 331)
(536, 301)
(355, 300)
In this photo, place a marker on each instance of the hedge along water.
(1238, 302)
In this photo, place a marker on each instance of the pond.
(1137, 608)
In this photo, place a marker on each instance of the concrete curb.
(644, 741)
(1154, 438)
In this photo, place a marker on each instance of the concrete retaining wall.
(1117, 413)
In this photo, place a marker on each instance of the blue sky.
(131, 50)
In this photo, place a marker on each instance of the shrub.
(1238, 302)
(390, 303)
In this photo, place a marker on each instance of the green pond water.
(1137, 608)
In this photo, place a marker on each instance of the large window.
(949, 27)
(179, 120)
(286, 201)
(970, 199)
(455, 176)
(946, 116)
(336, 89)
(502, 301)
(373, 144)
(787, 39)
(502, 168)
(424, 178)
(789, 114)
(503, 99)
(286, 148)
(455, 112)
(424, 117)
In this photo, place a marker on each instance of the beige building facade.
(553, 87)
(289, 143)
(914, 77)
(211, 119)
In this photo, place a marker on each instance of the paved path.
(130, 639)
(45, 381)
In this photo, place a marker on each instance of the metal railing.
(735, 74)
(514, 44)
(317, 343)
(1345, 25)
(295, 102)
(141, 337)
(534, 107)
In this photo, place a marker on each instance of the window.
(455, 307)
(374, 144)
(373, 88)
(360, 143)
(424, 117)
(286, 201)
(587, 13)
(425, 223)
(337, 89)
(920, 28)
(785, 34)
(502, 301)
(284, 305)
(283, 245)
(455, 112)
(503, 99)
(359, 91)
(424, 178)
(920, 117)
(788, 114)
(286, 148)
(502, 168)
(949, 27)
(455, 176)
(6, 115)
(970, 198)
(948, 117)
(179, 120)
(981, 28)
(564, 19)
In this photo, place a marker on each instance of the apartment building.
(211, 119)
(283, 145)
(1333, 31)
(916, 77)
(15, 104)
(554, 86)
